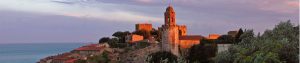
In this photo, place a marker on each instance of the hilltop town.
(145, 44)
(134, 47)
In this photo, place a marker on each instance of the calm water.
(31, 53)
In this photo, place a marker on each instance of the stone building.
(169, 31)
(213, 36)
(133, 38)
(189, 40)
(175, 36)
(143, 26)
(182, 30)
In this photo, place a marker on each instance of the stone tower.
(170, 16)
(170, 32)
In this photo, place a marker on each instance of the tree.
(237, 37)
(275, 46)
(104, 40)
(224, 57)
(156, 34)
(121, 36)
(288, 35)
(203, 53)
(141, 44)
(225, 39)
(247, 36)
(113, 42)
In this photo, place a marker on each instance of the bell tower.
(170, 32)
(170, 16)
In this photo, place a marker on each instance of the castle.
(174, 36)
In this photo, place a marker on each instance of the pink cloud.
(278, 6)
(293, 4)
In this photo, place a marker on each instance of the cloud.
(78, 8)
(279, 6)
(63, 2)
(87, 20)
(294, 4)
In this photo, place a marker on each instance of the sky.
(44, 21)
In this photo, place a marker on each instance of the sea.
(33, 52)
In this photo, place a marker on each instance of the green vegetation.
(230, 39)
(141, 44)
(156, 34)
(104, 40)
(280, 45)
(237, 38)
(118, 40)
(113, 42)
(162, 57)
(103, 58)
(225, 39)
(121, 36)
(203, 53)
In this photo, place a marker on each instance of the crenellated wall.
(143, 26)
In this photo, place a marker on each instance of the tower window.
(169, 20)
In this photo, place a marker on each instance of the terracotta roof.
(70, 61)
(91, 47)
(191, 37)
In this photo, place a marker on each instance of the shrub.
(275, 46)
(203, 53)
(162, 57)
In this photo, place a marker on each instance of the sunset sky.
(43, 21)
